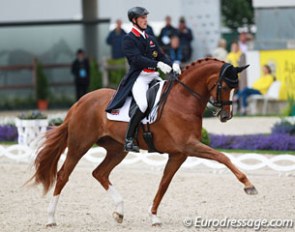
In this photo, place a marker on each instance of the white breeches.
(140, 88)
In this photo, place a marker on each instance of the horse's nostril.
(224, 116)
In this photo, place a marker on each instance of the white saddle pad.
(122, 114)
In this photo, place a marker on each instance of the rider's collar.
(137, 32)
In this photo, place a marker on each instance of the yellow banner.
(282, 63)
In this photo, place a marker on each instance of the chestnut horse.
(177, 132)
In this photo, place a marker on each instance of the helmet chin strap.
(135, 23)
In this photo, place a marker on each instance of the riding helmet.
(136, 12)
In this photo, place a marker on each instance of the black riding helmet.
(136, 12)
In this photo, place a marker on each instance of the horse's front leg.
(173, 164)
(199, 149)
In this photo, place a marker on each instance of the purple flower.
(254, 142)
(8, 133)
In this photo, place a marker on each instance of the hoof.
(118, 217)
(156, 224)
(51, 225)
(251, 190)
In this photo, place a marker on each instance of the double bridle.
(218, 102)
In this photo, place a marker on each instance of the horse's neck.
(196, 79)
(197, 75)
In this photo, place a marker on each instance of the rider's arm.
(162, 57)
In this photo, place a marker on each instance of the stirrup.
(130, 146)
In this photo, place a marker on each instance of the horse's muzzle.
(225, 116)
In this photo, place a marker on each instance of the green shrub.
(61, 102)
(55, 122)
(290, 109)
(95, 76)
(115, 76)
(29, 103)
(33, 115)
(23, 103)
(42, 87)
(205, 137)
(208, 113)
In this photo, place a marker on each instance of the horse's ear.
(240, 69)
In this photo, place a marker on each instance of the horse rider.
(144, 57)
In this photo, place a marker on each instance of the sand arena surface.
(85, 206)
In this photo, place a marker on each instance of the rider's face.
(142, 21)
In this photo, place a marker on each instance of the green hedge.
(205, 137)
(115, 76)
(95, 76)
(29, 103)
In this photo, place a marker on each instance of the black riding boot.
(133, 124)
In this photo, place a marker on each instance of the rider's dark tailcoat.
(142, 54)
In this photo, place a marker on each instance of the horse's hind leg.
(173, 164)
(73, 157)
(203, 151)
(115, 154)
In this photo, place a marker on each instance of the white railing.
(30, 132)
(280, 163)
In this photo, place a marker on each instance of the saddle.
(153, 97)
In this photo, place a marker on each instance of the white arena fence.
(280, 163)
(31, 131)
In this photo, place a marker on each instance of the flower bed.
(282, 138)
(8, 133)
(277, 142)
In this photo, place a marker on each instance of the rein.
(199, 96)
(172, 77)
(218, 103)
(192, 92)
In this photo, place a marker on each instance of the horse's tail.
(49, 154)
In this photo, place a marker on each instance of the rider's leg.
(139, 90)
(133, 124)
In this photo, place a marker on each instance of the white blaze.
(231, 96)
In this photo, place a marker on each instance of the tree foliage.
(237, 13)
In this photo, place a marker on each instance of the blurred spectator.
(220, 52)
(149, 30)
(115, 38)
(243, 42)
(80, 70)
(185, 35)
(259, 87)
(235, 54)
(250, 41)
(165, 35)
(175, 52)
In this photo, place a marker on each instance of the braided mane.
(189, 66)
